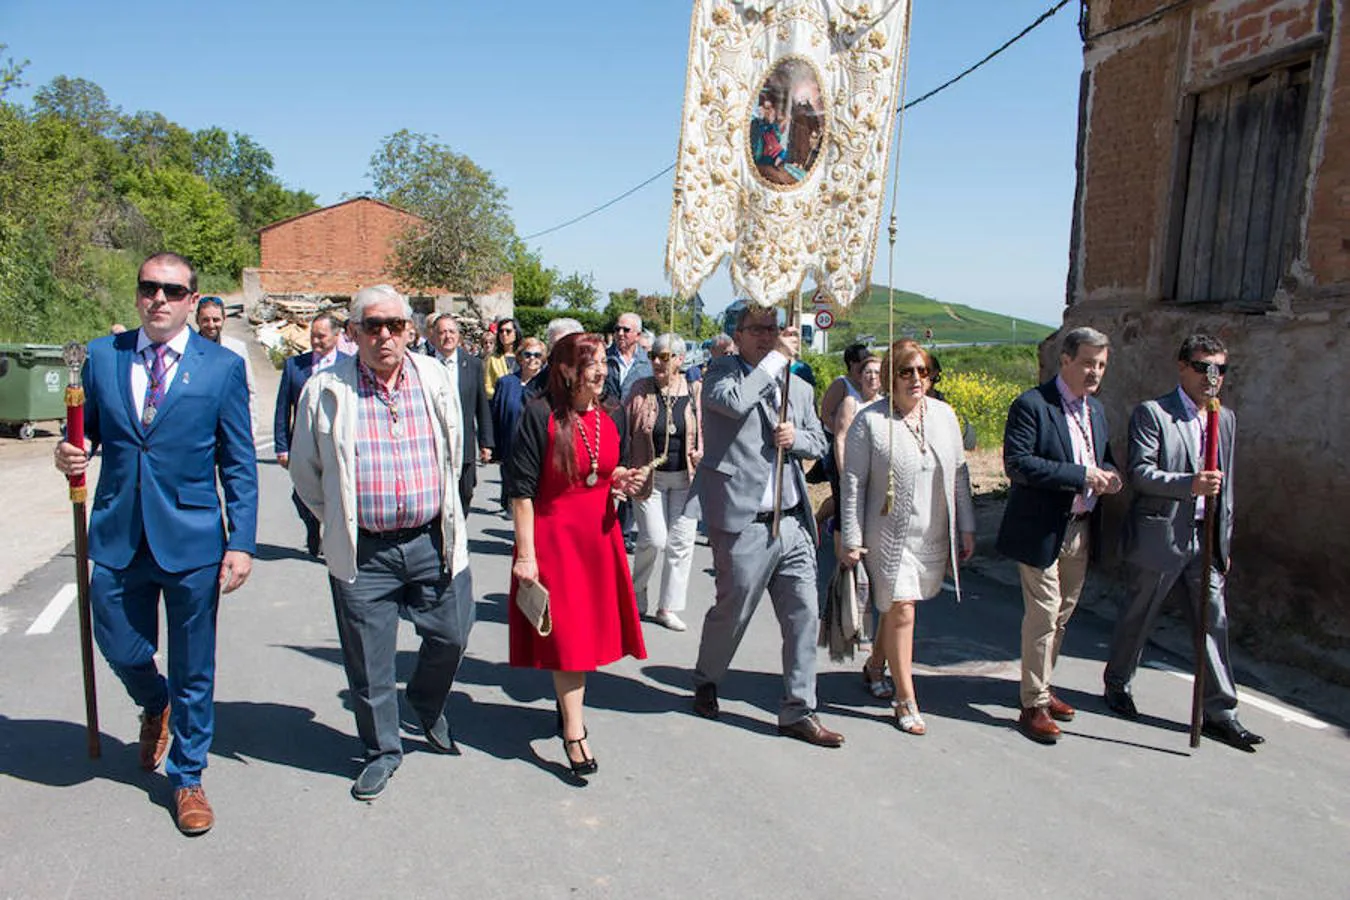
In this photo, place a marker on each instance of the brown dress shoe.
(154, 738)
(192, 810)
(1059, 710)
(1036, 724)
(811, 731)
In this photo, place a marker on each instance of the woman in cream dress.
(908, 447)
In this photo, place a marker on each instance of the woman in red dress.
(562, 477)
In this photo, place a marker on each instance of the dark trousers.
(125, 606)
(311, 524)
(400, 577)
(468, 480)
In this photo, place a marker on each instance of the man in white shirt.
(211, 325)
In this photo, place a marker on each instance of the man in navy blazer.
(170, 411)
(324, 332)
(1057, 454)
(466, 372)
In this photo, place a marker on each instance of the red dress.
(579, 550)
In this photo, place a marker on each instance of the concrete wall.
(1290, 379)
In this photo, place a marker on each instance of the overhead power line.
(1045, 16)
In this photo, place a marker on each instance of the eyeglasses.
(532, 354)
(760, 329)
(622, 329)
(373, 326)
(912, 371)
(149, 289)
(663, 356)
(209, 301)
(1202, 368)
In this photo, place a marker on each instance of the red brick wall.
(1329, 214)
(331, 251)
(1234, 30)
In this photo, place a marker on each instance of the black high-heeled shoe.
(587, 765)
(557, 705)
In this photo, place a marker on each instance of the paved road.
(681, 807)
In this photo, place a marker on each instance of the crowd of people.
(382, 446)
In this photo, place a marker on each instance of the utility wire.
(913, 103)
(1142, 20)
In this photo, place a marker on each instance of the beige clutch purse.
(532, 598)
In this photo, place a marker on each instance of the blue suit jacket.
(293, 377)
(1038, 457)
(159, 481)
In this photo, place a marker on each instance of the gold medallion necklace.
(593, 453)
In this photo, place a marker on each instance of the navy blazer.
(159, 480)
(1038, 458)
(294, 374)
(473, 405)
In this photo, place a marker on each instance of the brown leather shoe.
(1059, 710)
(811, 731)
(154, 738)
(192, 810)
(1036, 724)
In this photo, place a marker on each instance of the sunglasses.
(1202, 368)
(623, 329)
(532, 354)
(208, 301)
(911, 371)
(373, 326)
(149, 289)
(663, 356)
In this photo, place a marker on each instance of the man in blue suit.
(170, 411)
(1057, 454)
(324, 332)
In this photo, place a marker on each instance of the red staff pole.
(1201, 630)
(74, 357)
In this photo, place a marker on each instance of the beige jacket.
(323, 468)
(641, 412)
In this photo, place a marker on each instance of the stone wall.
(1290, 378)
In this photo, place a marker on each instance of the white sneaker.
(670, 620)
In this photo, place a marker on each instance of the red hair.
(569, 356)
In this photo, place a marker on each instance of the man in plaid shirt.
(376, 456)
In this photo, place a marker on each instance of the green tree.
(576, 291)
(78, 102)
(151, 141)
(193, 217)
(621, 302)
(534, 282)
(11, 72)
(464, 241)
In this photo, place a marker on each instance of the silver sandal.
(907, 718)
(876, 682)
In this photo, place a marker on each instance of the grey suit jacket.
(1160, 532)
(740, 411)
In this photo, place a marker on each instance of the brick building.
(328, 254)
(1214, 194)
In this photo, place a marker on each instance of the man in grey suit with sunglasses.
(735, 484)
(1164, 534)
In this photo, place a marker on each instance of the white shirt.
(1076, 410)
(452, 367)
(773, 363)
(140, 367)
(1195, 432)
(324, 362)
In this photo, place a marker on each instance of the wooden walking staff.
(73, 355)
(1206, 556)
(794, 317)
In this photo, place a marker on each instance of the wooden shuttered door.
(1248, 153)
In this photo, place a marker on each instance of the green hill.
(951, 323)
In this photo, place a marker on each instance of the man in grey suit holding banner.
(736, 486)
(1164, 534)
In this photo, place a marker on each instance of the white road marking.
(1275, 709)
(47, 620)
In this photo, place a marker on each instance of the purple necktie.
(156, 356)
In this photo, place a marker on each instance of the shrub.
(981, 399)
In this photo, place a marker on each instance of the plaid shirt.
(398, 474)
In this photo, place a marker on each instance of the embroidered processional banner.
(788, 114)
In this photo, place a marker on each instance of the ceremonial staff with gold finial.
(1206, 554)
(74, 355)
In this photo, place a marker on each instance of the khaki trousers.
(1048, 600)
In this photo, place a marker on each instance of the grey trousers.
(1147, 591)
(393, 577)
(744, 565)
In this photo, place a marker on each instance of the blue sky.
(569, 104)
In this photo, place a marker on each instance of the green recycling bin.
(32, 386)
